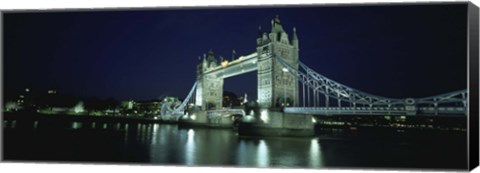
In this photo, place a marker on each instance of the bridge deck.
(460, 111)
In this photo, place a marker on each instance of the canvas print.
(380, 86)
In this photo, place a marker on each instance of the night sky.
(391, 51)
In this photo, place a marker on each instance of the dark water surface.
(166, 144)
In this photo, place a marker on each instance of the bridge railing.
(446, 111)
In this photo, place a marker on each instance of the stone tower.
(277, 87)
(209, 87)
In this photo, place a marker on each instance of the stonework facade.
(209, 87)
(277, 87)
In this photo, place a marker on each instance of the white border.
(81, 4)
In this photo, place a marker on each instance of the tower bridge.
(289, 90)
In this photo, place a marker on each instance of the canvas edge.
(472, 63)
(473, 88)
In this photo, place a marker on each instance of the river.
(169, 144)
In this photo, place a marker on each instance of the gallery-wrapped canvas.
(359, 86)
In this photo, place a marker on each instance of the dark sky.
(391, 51)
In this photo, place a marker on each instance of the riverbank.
(32, 116)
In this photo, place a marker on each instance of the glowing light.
(78, 108)
(248, 118)
(27, 90)
(264, 115)
(313, 120)
(193, 117)
(12, 106)
(225, 63)
(284, 69)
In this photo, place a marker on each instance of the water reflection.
(315, 156)
(245, 156)
(76, 125)
(262, 155)
(170, 144)
(190, 148)
(35, 124)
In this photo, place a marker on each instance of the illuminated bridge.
(287, 84)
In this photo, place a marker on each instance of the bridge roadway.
(243, 64)
(395, 111)
(453, 111)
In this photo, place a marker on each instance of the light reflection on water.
(170, 144)
(315, 154)
(76, 125)
(262, 154)
(190, 148)
(35, 124)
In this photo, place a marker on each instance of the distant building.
(147, 107)
(127, 105)
(230, 100)
(52, 91)
(12, 106)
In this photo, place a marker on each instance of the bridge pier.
(274, 122)
(213, 118)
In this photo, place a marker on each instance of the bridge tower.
(209, 91)
(277, 87)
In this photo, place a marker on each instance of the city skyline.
(145, 54)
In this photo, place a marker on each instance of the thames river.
(169, 144)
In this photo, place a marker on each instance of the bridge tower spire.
(277, 87)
